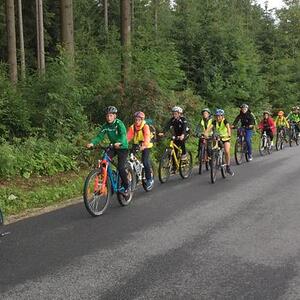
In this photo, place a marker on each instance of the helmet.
(177, 109)
(280, 113)
(244, 105)
(111, 110)
(266, 112)
(205, 109)
(139, 114)
(219, 112)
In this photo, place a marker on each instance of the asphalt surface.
(188, 239)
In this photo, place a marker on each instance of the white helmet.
(177, 109)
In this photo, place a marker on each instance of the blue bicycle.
(102, 182)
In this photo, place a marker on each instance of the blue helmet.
(219, 112)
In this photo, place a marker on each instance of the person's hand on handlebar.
(181, 137)
(117, 145)
(90, 145)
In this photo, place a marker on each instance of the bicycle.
(240, 147)
(265, 144)
(217, 161)
(280, 138)
(102, 182)
(1, 218)
(139, 170)
(203, 154)
(293, 134)
(171, 162)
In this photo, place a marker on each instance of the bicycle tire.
(93, 210)
(213, 167)
(144, 183)
(165, 163)
(200, 160)
(262, 150)
(183, 163)
(278, 142)
(238, 155)
(1, 218)
(125, 201)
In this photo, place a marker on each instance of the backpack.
(153, 132)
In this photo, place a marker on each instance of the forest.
(63, 61)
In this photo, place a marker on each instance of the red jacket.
(267, 123)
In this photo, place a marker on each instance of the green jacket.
(293, 117)
(116, 133)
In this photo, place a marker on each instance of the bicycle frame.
(107, 174)
(174, 147)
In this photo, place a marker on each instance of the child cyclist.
(116, 133)
(268, 125)
(221, 127)
(141, 135)
(247, 120)
(178, 124)
(206, 120)
(281, 122)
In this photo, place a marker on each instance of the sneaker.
(149, 183)
(183, 156)
(250, 158)
(229, 171)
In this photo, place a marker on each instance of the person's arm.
(228, 129)
(208, 129)
(130, 133)
(147, 133)
(122, 136)
(184, 126)
(237, 119)
(287, 124)
(99, 138)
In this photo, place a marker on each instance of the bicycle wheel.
(186, 166)
(95, 200)
(223, 165)
(238, 152)
(200, 159)
(165, 166)
(262, 146)
(269, 148)
(144, 182)
(291, 137)
(278, 141)
(1, 218)
(124, 201)
(213, 167)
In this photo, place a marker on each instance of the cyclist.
(178, 124)
(247, 120)
(206, 120)
(268, 125)
(221, 127)
(141, 135)
(116, 133)
(294, 117)
(281, 122)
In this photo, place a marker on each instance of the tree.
(21, 34)
(11, 40)
(67, 26)
(40, 37)
(125, 39)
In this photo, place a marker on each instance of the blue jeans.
(248, 137)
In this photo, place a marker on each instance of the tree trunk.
(67, 26)
(11, 40)
(132, 18)
(156, 16)
(105, 4)
(40, 37)
(22, 49)
(125, 40)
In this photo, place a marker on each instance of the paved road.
(237, 239)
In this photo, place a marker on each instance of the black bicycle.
(217, 161)
(280, 138)
(203, 159)
(240, 147)
(293, 134)
(265, 144)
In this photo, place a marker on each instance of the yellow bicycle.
(171, 162)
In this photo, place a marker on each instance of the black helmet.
(111, 110)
